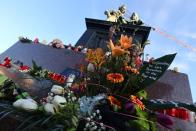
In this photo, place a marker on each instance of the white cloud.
(191, 56)
(188, 34)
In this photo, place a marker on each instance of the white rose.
(59, 101)
(50, 108)
(58, 90)
(90, 67)
(26, 104)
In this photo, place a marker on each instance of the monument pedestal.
(97, 33)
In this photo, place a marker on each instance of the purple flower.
(129, 107)
(164, 120)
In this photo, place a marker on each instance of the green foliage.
(6, 89)
(25, 40)
(67, 117)
(22, 95)
(2, 79)
(142, 94)
(142, 122)
(143, 115)
(37, 71)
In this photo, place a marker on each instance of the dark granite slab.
(56, 60)
(171, 86)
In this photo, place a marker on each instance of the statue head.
(57, 43)
(122, 9)
(135, 16)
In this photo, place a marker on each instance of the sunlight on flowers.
(125, 41)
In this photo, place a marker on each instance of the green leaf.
(140, 112)
(6, 114)
(3, 111)
(143, 115)
(142, 94)
(75, 121)
(2, 79)
(152, 126)
(71, 129)
(47, 120)
(2, 94)
(22, 95)
(32, 124)
(24, 122)
(144, 124)
(138, 124)
(151, 72)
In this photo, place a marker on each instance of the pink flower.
(138, 62)
(36, 41)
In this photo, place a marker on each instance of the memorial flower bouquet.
(108, 94)
(114, 82)
(115, 76)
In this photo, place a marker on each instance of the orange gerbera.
(96, 56)
(116, 50)
(114, 101)
(125, 41)
(115, 77)
(137, 101)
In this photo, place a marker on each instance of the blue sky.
(49, 19)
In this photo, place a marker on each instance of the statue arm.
(107, 13)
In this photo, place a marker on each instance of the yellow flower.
(116, 50)
(95, 57)
(89, 55)
(115, 77)
(137, 101)
(125, 41)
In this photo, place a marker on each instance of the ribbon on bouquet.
(181, 113)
